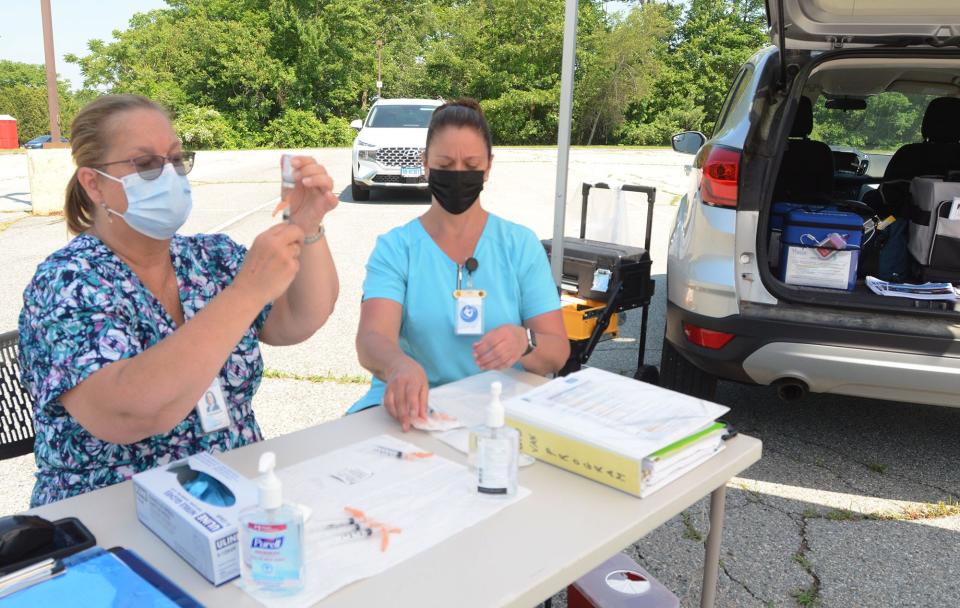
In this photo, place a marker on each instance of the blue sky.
(74, 23)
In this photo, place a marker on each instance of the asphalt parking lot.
(853, 503)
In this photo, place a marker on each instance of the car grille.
(400, 157)
(397, 179)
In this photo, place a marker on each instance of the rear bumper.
(839, 360)
(860, 372)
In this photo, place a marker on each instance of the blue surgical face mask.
(158, 207)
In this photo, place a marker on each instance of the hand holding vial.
(306, 190)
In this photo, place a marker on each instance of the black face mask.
(456, 191)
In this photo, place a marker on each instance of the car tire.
(358, 192)
(678, 374)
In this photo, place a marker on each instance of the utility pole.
(379, 67)
(53, 103)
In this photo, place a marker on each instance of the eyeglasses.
(150, 166)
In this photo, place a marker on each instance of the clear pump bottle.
(271, 539)
(496, 449)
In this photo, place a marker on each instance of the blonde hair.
(89, 142)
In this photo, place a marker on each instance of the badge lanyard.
(469, 301)
(212, 408)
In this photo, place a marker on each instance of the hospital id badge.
(469, 311)
(212, 408)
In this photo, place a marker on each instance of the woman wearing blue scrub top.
(414, 333)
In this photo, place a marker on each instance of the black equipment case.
(585, 261)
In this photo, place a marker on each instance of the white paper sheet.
(925, 291)
(690, 462)
(467, 399)
(430, 500)
(807, 267)
(612, 411)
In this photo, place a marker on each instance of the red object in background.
(8, 132)
(575, 599)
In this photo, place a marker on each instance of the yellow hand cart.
(601, 280)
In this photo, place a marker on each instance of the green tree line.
(293, 73)
(23, 95)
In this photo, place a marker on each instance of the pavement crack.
(745, 587)
(809, 596)
(756, 498)
(868, 465)
(849, 484)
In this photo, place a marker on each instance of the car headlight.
(368, 152)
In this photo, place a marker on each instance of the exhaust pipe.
(791, 389)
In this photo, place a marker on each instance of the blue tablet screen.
(101, 580)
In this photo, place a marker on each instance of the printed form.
(422, 502)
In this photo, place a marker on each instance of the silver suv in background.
(732, 313)
(388, 150)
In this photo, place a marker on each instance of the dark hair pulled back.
(462, 112)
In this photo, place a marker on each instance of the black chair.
(937, 155)
(16, 418)
(806, 171)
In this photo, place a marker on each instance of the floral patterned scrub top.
(85, 309)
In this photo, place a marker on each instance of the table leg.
(711, 561)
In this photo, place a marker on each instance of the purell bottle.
(271, 539)
(496, 449)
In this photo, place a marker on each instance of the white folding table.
(520, 557)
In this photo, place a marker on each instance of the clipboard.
(100, 577)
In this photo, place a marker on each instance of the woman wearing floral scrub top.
(126, 330)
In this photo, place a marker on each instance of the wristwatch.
(313, 238)
(531, 342)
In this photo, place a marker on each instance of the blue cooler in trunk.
(821, 248)
(778, 218)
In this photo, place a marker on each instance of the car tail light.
(721, 172)
(706, 338)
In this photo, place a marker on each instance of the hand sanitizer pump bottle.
(497, 449)
(271, 539)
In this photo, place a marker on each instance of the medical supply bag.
(935, 228)
(821, 248)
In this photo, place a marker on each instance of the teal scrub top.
(408, 267)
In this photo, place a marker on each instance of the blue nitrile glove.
(210, 490)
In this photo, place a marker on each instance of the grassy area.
(316, 378)
(927, 510)
(691, 532)
(801, 559)
(842, 515)
(913, 512)
(807, 597)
